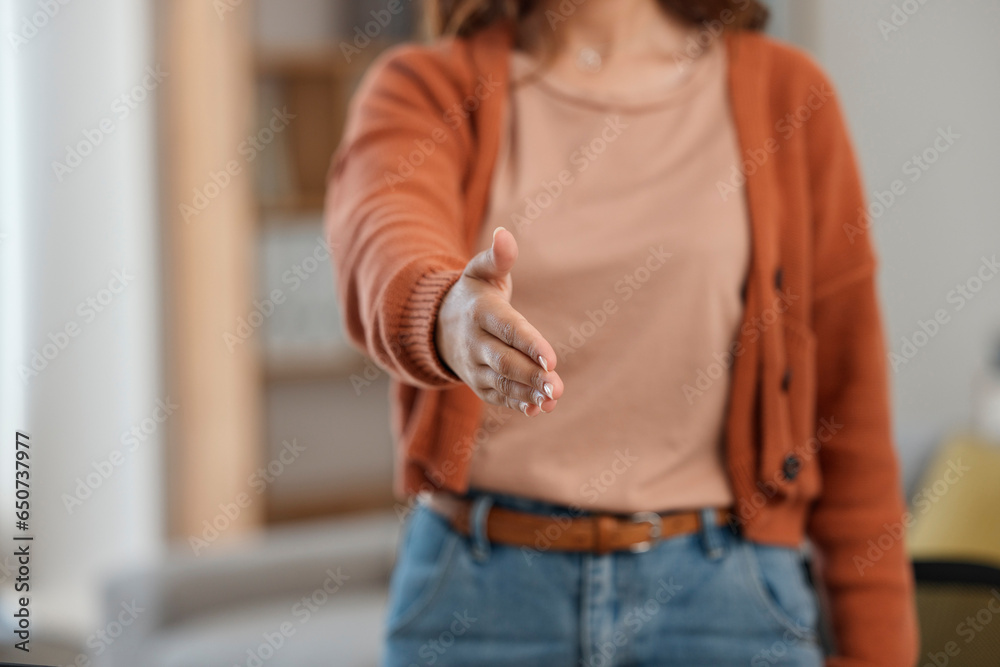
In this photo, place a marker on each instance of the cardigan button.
(786, 379)
(779, 278)
(791, 467)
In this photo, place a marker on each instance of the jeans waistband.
(525, 504)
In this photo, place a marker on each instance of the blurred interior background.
(212, 464)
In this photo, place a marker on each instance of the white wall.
(69, 237)
(941, 69)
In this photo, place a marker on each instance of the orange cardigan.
(808, 439)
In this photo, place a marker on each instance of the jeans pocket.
(778, 581)
(422, 565)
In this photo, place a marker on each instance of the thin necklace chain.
(591, 58)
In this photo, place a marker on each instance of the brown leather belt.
(597, 533)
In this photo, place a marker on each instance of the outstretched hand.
(491, 346)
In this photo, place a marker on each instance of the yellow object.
(956, 510)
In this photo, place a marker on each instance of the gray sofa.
(308, 595)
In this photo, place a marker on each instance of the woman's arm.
(411, 296)
(395, 227)
(874, 619)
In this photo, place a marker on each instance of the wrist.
(441, 331)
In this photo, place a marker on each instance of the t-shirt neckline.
(697, 72)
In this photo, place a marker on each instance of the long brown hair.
(462, 17)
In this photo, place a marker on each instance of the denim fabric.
(711, 598)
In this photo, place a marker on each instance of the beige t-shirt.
(632, 261)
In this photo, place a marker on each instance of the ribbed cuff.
(417, 323)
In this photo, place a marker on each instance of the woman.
(600, 247)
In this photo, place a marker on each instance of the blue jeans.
(711, 598)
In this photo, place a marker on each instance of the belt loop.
(478, 514)
(711, 537)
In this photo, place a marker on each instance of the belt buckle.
(656, 531)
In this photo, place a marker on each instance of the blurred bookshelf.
(313, 85)
(318, 390)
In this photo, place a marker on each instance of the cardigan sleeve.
(394, 212)
(861, 504)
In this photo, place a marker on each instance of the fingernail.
(524, 408)
(547, 388)
(495, 232)
(538, 398)
(544, 364)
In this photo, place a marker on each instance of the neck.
(616, 26)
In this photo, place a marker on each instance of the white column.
(80, 285)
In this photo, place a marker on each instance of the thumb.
(494, 265)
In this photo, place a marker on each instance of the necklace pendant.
(589, 60)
